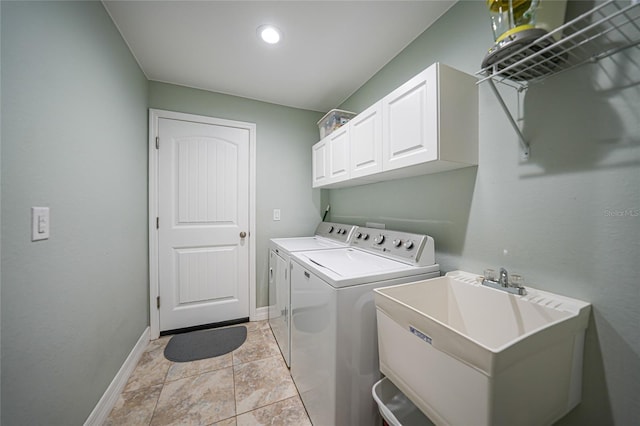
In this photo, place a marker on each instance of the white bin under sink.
(466, 354)
(395, 408)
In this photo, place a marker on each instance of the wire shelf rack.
(601, 32)
(605, 30)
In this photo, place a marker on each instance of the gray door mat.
(204, 344)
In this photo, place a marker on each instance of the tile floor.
(250, 386)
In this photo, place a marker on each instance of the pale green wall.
(283, 151)
(553, 216)
(74, 138)
(0, 217)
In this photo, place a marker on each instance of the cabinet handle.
(306, 274)
(271, 272)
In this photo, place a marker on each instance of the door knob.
(243, 234)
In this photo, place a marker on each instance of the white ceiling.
(330, 48)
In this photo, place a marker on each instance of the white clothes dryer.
(334, 347)
(328, 235)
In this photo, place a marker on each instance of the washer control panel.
(406, 247)
(335, 231)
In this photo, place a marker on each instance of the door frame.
(154, 290)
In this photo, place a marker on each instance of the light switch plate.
(276, 214)
(39, 223)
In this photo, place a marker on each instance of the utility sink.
(469, 354)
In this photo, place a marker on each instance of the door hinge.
(157, 223)
(157, 142)
(158, 302)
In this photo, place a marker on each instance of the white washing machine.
(334, 348)
(328, 235)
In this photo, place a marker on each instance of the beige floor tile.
(252, 325)
(253, 380)
(227, 422)
(160, 342)
(262, 382)
(180, 370)
(289, 412)
(257, 325)
(260, 344)
(134, 408)
(152, 367)
(197, 400)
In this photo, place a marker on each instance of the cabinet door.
(319, 163)
(410, 122)
(366, 142)
(338, 142)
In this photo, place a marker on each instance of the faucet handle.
(516, 280)
(490, 274)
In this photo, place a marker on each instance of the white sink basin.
(468, 354)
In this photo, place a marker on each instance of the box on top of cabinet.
(333, 120)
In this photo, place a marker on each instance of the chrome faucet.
(503, 282)
(504, 278)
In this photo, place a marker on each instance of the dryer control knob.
(358, 235)
(397, 242)
(379, 239)
(408, 245)
(330, 229)
(365, 237)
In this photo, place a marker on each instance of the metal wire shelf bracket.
(603, 31)
(526, 150)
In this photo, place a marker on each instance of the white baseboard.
(110, 396)
(260, 314)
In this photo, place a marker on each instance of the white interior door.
(203, 231)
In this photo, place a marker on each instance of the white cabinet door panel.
(320, 164)
(338, 142)
(366, 142)
(410, 122)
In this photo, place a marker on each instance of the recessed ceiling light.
(269, 34)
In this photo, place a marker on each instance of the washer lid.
(347, 266)
(352, 263)
(305, 244)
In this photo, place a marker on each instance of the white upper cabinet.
(319, 161)
(427, 125)
(330, 158)
(366, 142)
(338, 143)
(410, 122)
